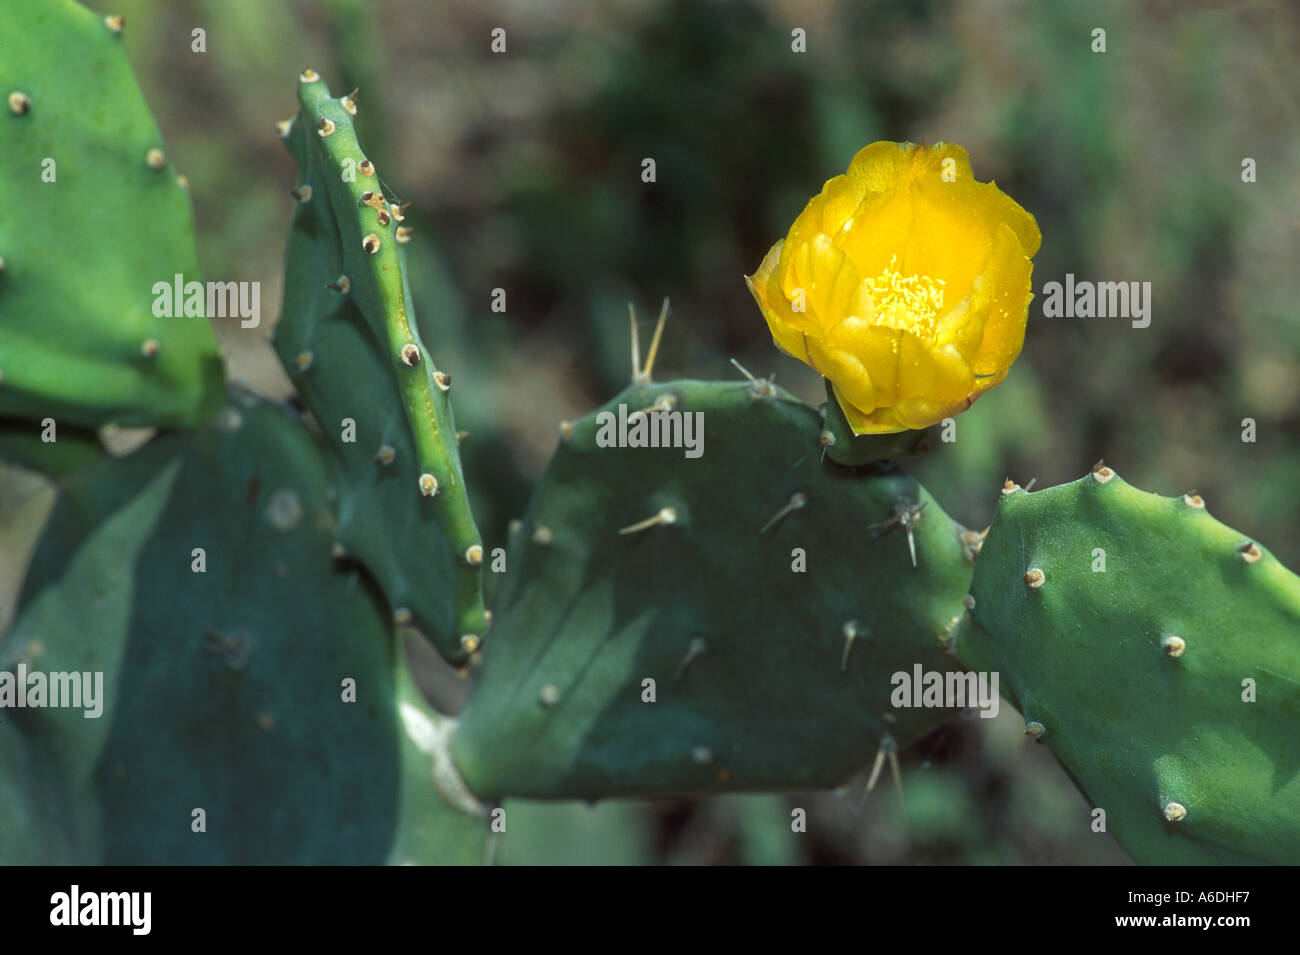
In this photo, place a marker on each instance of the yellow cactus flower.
(905, 283)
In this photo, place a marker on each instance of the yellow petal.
(984, 202)
(838, 202)
(984, 383)
(767, 292)
(944, 160)
(829, 283)
(788, 338)
(880, 167)
(846, 372)
(1004, 291)
(920, 413)
(876, 346)
(937, 373)
(962, 325)
(767, 268)
(880, 421)
(948, 243)
(880, 233)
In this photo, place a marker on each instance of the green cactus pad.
(639, 563)
(354, 353)
(223, 690)
(79, 340)
(21, 443)
(1135, 674)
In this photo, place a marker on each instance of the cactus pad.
(94, 216)
(349, 339)
(639, 564)
(224, 691)
(1157, 653)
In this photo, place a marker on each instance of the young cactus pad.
(732, 621)
(1158, 652)
(255, 681)
(349, 339)
(94, 217)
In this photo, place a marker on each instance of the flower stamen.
(910, 302)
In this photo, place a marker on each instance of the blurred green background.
(525, 173)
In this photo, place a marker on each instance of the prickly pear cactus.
(254, 705)
(21, 443)
(1157, 653)
(731, 621)
(349, 339)
(94, 217)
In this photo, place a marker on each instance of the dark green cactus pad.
(1135, 675)
(224, 690)
(79, 340)
(21, 443)
(638, 563)
(346, 325)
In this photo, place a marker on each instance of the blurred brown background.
(524, 169)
